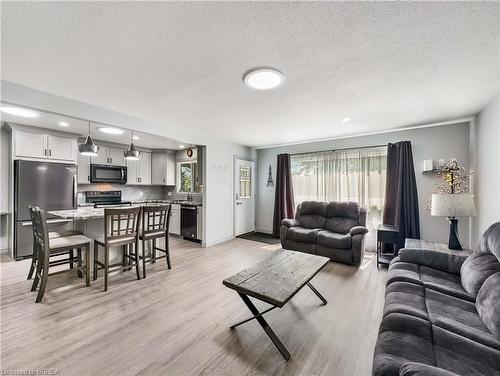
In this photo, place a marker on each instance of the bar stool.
(120, 229)
(52, 235)
(47, 248)
(155, 223)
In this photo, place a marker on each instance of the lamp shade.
(453, 205)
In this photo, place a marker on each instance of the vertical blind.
(344, 175)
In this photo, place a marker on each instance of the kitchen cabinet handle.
(45, 152)
(88, 177)
(111, 160)
(50, 152)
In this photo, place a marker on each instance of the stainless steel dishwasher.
(189, 217)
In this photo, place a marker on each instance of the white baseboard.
(218, 241)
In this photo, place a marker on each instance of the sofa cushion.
(402, 338)
(476, 269)
(485, 261)
(312, 207)
(464, 356)
(340, 225)
(343, 209)
(488, 304)
(334, 240)
(434, 279)
(312, 221)
(407, 298)
(301, 234)
(419, 369)
(447, 283)
(458, 316)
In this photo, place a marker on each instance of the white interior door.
(244, 183)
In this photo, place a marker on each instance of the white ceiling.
(383, 64)
(81, 127)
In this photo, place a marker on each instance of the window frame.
(178, 182)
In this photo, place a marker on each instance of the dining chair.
(120, 229)
(47, 248)
(155, 222)
(52, 235)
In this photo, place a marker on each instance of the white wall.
(485, 136)
(218, 209)
(435, 143)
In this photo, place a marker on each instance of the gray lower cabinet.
(175, 220)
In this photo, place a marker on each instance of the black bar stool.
(120, 229)
(52, 235)
(155, 223)
(46, 248)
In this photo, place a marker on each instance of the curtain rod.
(334, 150)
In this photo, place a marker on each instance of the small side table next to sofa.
(435, 246)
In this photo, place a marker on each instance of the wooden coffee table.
(276, 280)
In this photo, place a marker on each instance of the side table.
(435, 246)
(387, 234)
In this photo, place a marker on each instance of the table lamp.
(453, 206)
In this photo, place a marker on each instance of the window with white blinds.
(344, 175)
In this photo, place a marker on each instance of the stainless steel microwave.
(108, 174)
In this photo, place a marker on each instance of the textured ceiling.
(384, 65)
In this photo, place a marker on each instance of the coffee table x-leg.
(259, 316)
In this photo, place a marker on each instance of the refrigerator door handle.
(75, 191)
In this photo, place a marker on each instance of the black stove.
(102, 199)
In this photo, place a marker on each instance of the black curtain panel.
(401, 198)
(284, 204)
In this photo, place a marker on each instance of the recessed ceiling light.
(110, 130)
(181, 146)
(18, 111)
(63, 124)
(135, 138)
(263, 78)
(346, 119)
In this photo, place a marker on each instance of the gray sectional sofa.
(332, 229)
(442, 313)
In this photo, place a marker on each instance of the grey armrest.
(420, 369)
(358, 230)
(290, 222)
(442, 260)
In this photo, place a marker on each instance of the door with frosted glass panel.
(244, 212)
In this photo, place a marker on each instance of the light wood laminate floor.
(177, 322)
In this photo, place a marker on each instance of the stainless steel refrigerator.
(50, 186)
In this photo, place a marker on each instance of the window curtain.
(345, 175)
(401, 198)
(284, 204)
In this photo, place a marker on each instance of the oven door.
(108, 174)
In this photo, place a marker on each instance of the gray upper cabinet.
(139, 172)
(109, 156)
(163, 168)
(83, 169)
(38, 145)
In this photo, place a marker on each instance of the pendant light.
(88, 147)
(132, 153)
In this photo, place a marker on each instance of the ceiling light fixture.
(263, 78)
(181, 146)
(88, 148)
(18, 111)
(132, 153)
(110, 130)
(346, 119)
(63, 124)
(135, 138)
